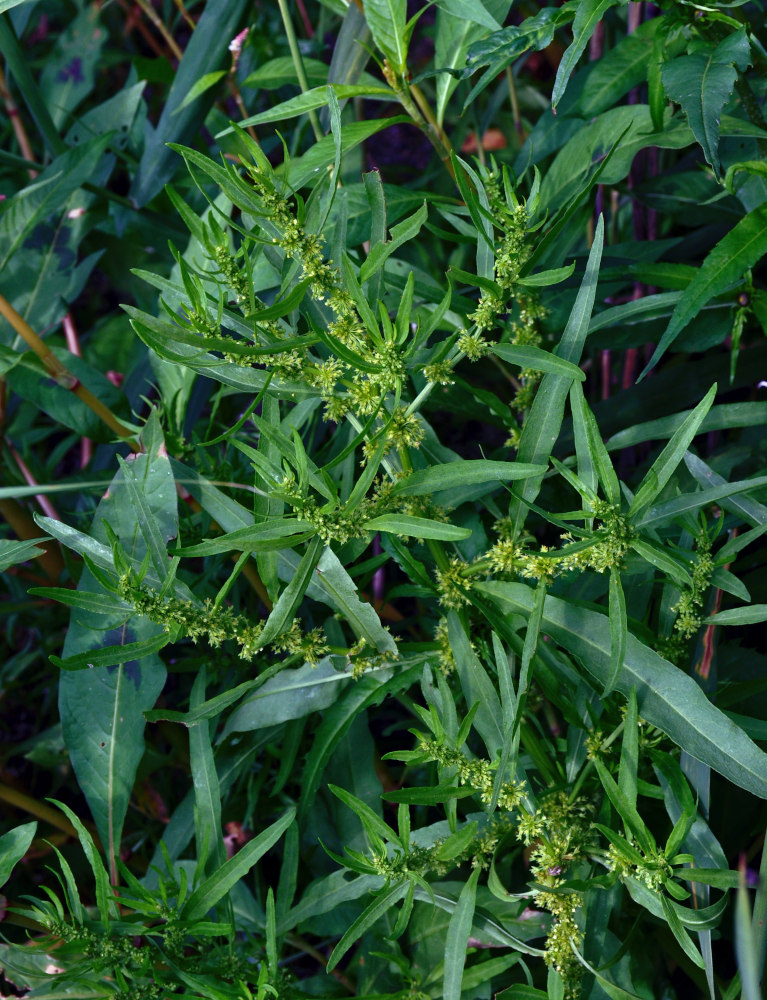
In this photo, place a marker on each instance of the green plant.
(384, 485)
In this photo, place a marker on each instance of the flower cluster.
(362, 657)
(453, 584)
(418, 861)
(630, 861)
(689, 606)
(477, 773)
(217, 624)
(557, 832)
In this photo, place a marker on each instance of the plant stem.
(157, 21)
(298, 63)
(65, 378)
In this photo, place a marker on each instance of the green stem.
(298, 63)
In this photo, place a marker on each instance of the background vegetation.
(382, 474)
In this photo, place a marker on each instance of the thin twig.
(157, 21)
(19, 131)
(45, 504)
(73, 345)
(303, 945)
(65, 378)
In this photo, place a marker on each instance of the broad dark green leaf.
(292, 694)
(13, 846)
(206, 51)
(102, 709)
(387, 20)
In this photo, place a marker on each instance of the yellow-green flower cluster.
(690, 604)
(476, 772)
(218, 624)
(652, 872)
(558, 831)
(453, 584)
(420, 861)
(363, 657)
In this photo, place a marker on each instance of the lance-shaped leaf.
(218, 885)
(588, 15)
(545, 418)
(702, 83)
(734, 254)
(387, 22)
(451, 475)
(666, 696)
(205, 52)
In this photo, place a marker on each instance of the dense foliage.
(382, 454)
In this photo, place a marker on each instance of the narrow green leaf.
(734, 254)
(679, 932)
(383, 902)
(478, 688)
(537, 359)
(401, 233)
(545, 418)
(361, 616)
(206, 895)
(256, 538)
(417, 527)
(719, 878)
(666, 696)
(681, 505)
(95, 603)
(746, 943)
(428, 795)
(544, 279)
(207, 792)
(13, 552)
(627, 811)
(369, 819)
(451, 475)
(205, 82)
(310, 100)
(110, 656)
(618, 629)
(629, 762)
(739, 616)
(588, 14)
(104, 897)
(284, 610)
(387, 22)
(666, 463)
(337, 720)
(457, 937)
